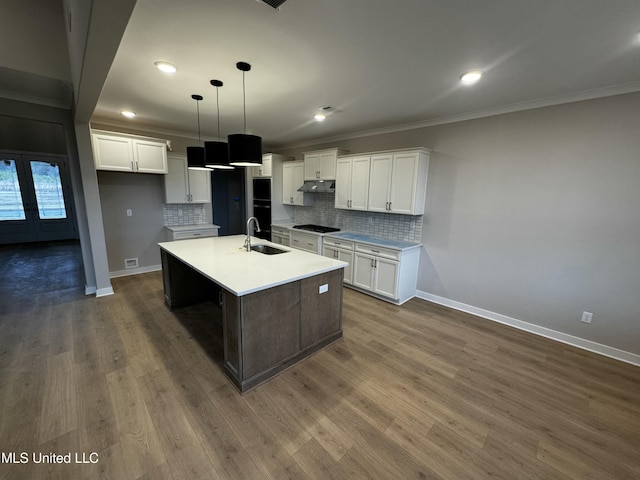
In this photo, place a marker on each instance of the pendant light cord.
(218, 109)
(244, 104)
(198, 112)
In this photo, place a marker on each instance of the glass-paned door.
(35, 199)
(11, 206)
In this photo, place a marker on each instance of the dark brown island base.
(276, 309)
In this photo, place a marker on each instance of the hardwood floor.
(418, 391)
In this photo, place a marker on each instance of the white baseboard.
(134, 271)
(594, 347)
(103, 292)
(90, 289)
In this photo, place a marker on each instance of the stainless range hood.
(318, 186)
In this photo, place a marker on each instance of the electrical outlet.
(586, 317)
(323, 288)
(370, 220)
(129, 212)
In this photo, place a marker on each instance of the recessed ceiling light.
(471, 77)
(128, 113)
(165, 67)
(319, 117)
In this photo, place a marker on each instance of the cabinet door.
(311, 167)
(343, 183)
(363, 271)
(327, 166)
(404, 179)
(150, 157)
(297, 177)
(386, 277)
(347, 256)
(112, 153)
(199, 186)
(380, 183)
(287, 182)
(360, 183)
(265, 169)
(175, 182)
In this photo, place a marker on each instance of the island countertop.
(226, 261)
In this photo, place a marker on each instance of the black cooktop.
(316, 228)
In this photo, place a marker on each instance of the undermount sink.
(267, 249)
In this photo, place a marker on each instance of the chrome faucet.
(247, 242)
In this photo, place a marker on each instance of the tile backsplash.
(385, 225)
(184, 214)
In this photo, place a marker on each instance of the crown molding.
(34, 99)
(487, 112)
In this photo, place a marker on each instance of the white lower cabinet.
(377, 274)
(340, 250)
(305, 241)
(386, 272)
(184, 232)
(280, 235)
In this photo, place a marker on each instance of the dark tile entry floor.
(39, 274)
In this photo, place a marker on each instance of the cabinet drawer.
(280, 230)
(212, 232)
(303, 241)
(378, 251)
(334, 242)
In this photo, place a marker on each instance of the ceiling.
(380, 64)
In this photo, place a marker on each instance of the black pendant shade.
(245, 150)
(195, 155)
(216, 155)
(195, 158)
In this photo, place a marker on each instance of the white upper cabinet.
(292, 179)
(321, 164)
(128, 153)
(398, 182)
(182, 185)
(352, 182)
(264, 170)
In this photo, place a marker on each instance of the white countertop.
(381, 242)
(188, 228)
(225, 261)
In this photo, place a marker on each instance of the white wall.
(535, 215)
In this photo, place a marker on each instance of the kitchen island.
(276, 309)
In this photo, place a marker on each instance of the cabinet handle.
(375, 251)
(372, 264)
(132, 167)
(389, 206)
(290, 199)
(137, 167)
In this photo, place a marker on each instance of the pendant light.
(216, 154)
(195, 155)
(244, 150)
